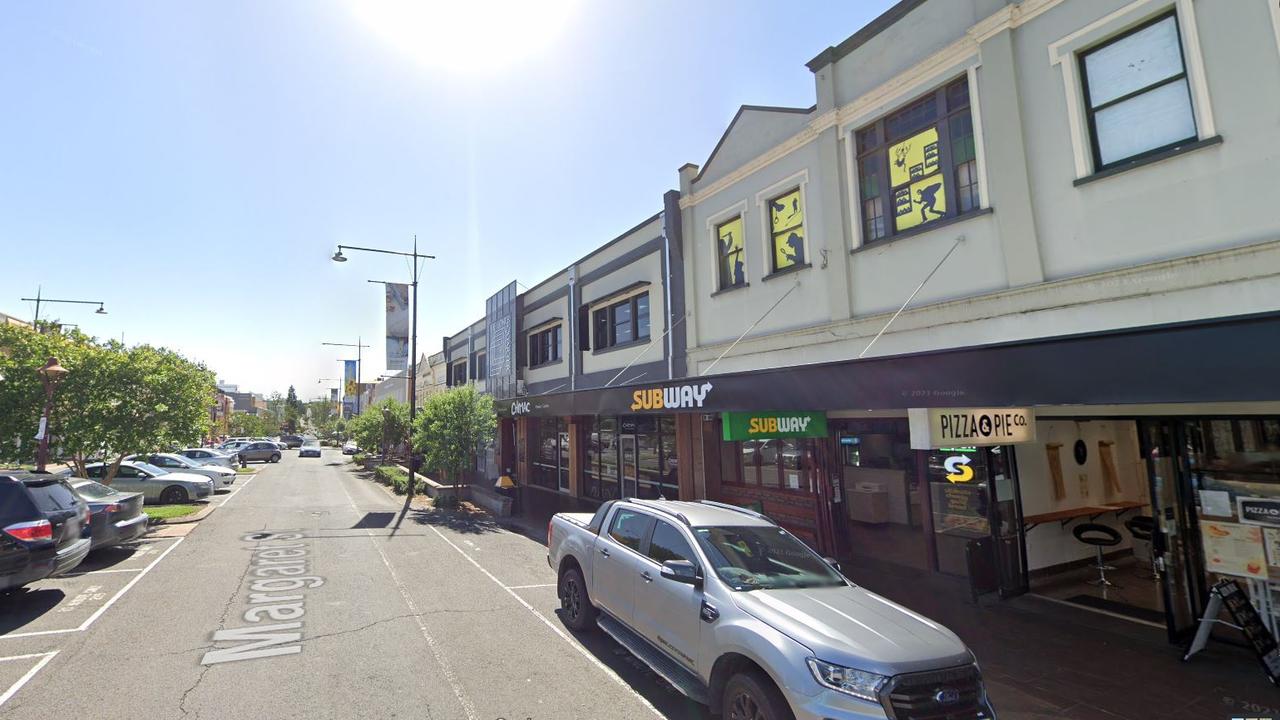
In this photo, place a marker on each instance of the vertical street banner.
(397, 326)
(500, 342)
(349, 388)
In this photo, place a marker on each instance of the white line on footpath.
(14, 688)
(449, 676)
(578, 646)
(98, 613)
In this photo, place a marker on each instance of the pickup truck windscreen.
(763, 558)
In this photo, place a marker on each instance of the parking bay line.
(14, 688)
(105, 606)
(577, 646)
(527, 587)
(101, 572)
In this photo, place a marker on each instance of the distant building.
(11, 320)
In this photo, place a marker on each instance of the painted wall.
(1051, 544)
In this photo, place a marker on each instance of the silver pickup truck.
(738, 614)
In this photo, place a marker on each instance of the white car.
(209, 456)
(223, 477)
(155, 483)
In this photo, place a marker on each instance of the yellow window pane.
(921, 202)
(788, 248)
(913, 158)
(786, 212)
(730, 235)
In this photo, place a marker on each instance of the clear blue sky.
(193, 164)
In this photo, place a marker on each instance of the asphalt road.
(301, 598)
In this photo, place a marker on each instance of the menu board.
(1246, 616)
(1232, 549)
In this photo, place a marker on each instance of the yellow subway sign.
(773, 425)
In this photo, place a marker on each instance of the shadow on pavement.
(458, 520)
(23, 606)
(106, 557)
(374, 520)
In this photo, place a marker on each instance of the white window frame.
(1065, 53)
(738, 209)
(1275, 19)
(799, 180)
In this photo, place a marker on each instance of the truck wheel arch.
(726, 666)
(568, 563)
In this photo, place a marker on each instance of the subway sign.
(773, 425)
(977, 427)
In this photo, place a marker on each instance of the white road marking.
(527, 587)
(100, 572)
(112, 601)
(449, 676)
(227, 498)
(14, 688)
(563, 635)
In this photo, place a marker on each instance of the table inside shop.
(1093, 512)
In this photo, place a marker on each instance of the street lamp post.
(358, 348)
(38, 299)
(50, 375)
(413, 339)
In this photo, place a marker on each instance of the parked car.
(224, 477)
(740, 615)
(116, 516)
(310, 449)
(293, 441)
(157, 485)
(263, 451)
(350, 449)
(231, 447)
(44, 528)
(209, 456)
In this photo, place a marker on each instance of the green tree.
(320, 413)
(384, 426)
(453, 424)
(114, 400)
(243, 424)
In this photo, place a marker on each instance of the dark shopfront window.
(881, 492)
(632, 455)
(551, 453)
(770, 464)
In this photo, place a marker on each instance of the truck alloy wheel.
(574, 604)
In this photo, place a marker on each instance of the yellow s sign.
(958, 470)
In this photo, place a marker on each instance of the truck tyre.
(751, 695)
(575, 606)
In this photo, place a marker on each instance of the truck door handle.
(604, 552)
(647, 577)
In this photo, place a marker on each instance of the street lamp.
(51, 376)
(358, 348)
(38, 299)
(413, 340)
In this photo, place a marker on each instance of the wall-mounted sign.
(980, 427)
(772, 425)
(1259, 511)
(1231, 549)
(679, 397)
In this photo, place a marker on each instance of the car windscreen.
(148, 467)
(763, 558)
(92, 490)
(51, 495)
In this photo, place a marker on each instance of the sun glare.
(467, 35)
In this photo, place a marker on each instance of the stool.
(1099, 536)
(1143, 528)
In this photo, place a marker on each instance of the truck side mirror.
(682, 571)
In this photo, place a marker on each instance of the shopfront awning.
(1231, 360)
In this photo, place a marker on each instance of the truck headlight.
(858, 683)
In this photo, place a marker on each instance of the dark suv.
(293, 441)
(262, 451)
(44, 528)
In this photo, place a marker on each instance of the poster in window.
(729, 236)
(913, 158)
(1232, 549)
(788, 249)
(920, 202)
(786, 212)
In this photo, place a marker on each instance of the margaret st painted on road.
(279, 574)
